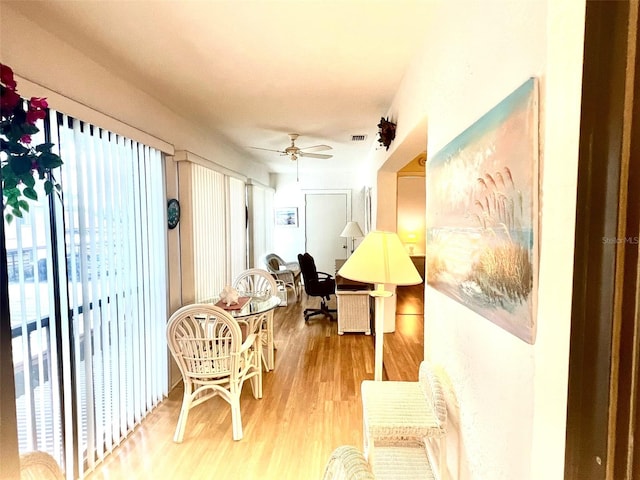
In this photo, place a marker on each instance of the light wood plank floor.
(311, 405)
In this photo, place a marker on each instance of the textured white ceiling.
(256, 70)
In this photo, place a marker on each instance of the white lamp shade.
(381, 258)
(351, 230)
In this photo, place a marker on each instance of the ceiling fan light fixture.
(294, 152)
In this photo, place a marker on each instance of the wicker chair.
(258, 282)
(404, 413)
(287, 272)
(39, 466)
(347, 463)
(206, 343)
(408, 462)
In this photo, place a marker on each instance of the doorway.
(326, 214)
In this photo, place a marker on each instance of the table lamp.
(351, 231)
(380, 259)
(411, 242)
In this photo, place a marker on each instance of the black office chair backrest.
(316, 284)
(308, 269)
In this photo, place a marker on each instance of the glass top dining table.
(255, 306)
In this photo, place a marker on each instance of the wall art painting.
(482, 215)
(286, 217)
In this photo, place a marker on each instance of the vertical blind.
(237, 228)
(33, 327)
(114, 216)
(261, 223)
(208, 200)
(219, 236)
(87, 295)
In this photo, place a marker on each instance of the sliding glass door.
(88, 297)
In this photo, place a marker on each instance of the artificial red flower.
(26, 139)
(6, 77)
(38, 103)
(8, 101)
(34, 115)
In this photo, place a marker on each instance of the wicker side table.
(354, 311)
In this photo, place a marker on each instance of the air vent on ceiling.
(358, 138)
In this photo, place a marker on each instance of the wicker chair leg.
(365, 437)
(270, 361)
(184, 413)
(236, 419)
(256, 381)
(442, 454)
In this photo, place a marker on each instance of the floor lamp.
(380, 259)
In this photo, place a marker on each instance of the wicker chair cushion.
(408, 462)
(397, 411)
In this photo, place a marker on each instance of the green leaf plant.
(22, 163)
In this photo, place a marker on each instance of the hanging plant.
(22, 163)
(386, 132)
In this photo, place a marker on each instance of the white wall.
(289, 242)
(507, 400)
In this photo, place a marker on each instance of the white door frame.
(305, 192)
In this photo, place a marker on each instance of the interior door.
(326, 214)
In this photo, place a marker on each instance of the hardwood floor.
(311, 405)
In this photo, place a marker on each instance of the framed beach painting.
(482, 215)
(287, 217)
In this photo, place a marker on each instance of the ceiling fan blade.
(316, 148)
(314, 155)
(269, 150)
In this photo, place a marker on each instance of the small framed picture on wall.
(287, 217)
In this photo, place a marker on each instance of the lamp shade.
(351, 230)
(381, 258)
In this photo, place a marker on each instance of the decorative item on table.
(229, 295)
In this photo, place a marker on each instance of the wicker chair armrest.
(432, 389)
(248, 343)
(285, 275)
(293, 266)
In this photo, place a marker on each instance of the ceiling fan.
(294, 152)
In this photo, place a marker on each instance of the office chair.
(316, 284)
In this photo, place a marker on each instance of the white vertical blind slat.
(108, 285)
(130, 285)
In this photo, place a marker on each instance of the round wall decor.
(173, 213)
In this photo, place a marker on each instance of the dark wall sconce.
(386, 132)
